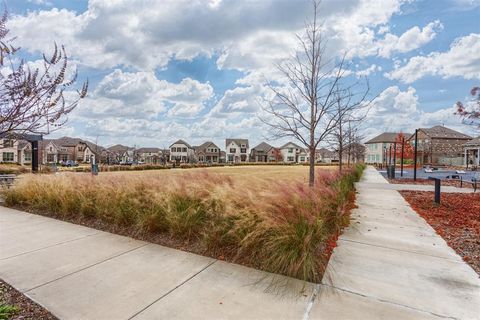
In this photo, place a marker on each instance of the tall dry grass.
(273, 224)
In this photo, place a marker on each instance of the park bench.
(7, 179)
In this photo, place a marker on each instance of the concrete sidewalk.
(389, 264)
(82, 273)
(412, 187)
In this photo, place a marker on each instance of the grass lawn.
(261, 216)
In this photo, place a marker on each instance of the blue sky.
(196, 70)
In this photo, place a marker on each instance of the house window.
(243, 150)
(290, 150)
(51, 149)
(290, 159)
(230, 157)
(27, 156)
(173, 149)
(7, 143)
(64, 157)
(184, 149)
(377, 157)
(302, 159)
(8, 157)
(233, 150)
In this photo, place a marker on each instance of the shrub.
(274, 224)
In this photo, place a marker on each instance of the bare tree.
(307, 108)
(32, 101)
(350, 111)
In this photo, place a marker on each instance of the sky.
(198, 70)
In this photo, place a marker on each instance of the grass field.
(261, 216)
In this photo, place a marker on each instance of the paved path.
(413, 187)
(389, 264)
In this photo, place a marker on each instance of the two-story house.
(375, 148)
(208, 152)
(181, 152)
(237, 150)
(290, 152)
(15, 151)
(324, 155)
(440, 145)
(264, 152)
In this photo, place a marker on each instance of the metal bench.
(7, 179)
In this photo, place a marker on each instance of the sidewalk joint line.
(401, 250)
(306, 315)
(52, 245)
(389, 302)
(86, 267)
(171, 290)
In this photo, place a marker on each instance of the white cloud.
(366, 72)
(142, 95)
(461, 60)
(248, 35)
(411, 39)
(397, 110)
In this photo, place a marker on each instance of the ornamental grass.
(272, 223)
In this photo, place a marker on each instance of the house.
(67, 148)
(180, 151)
(237, 150)
(303, 156)
(376, 149)
(265, 153)
(440, 145)
(148, 155)
(208, 152)
(324, 155)
(290, 152)
(11, 150)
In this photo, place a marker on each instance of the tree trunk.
(311, 179)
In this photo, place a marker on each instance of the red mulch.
(456, 219)
(26, 308)
(453, 183)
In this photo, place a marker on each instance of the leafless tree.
(32, 100)
(350, 112)
(307, 108)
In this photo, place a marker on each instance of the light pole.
(415, 156)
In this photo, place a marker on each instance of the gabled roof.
(118, 148)
(181, 142)
(290, 143)
(72, 142)
(238, 142)
(384, 137)
(326, 153)
(441, 132)
(263, 147)
(204, 146)
(145, 150)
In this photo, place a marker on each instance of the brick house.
(208, 152)
(440, 145)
